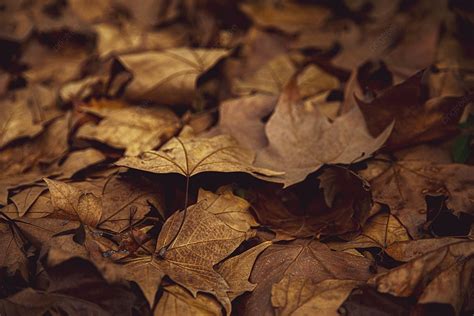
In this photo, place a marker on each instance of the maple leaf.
(236, 270)
(26, 198)
(146, 272)
(169, 76)
(194, 244)
(417, 119)
(301, 258)
(403, 186)
(86, 206)
(429, 273)
(135, 129)
(381, 230)
(273, 76)
(177, 301)
(13, 244)
(20, 164)
(74, 285)
(302, 140)
(191, 156)
(299, 296)
(286, 16)
(293, 214)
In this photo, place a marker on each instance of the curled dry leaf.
(306, 259)
(168, 77)
(403, 186)
(190, 156)
(417, 119)
(302, 140)
(428, 275)
(300, 296)
(189, 250)
(86, 206)
(135, 129)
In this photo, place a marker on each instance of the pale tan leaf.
(169, 76)
(135, 129)
(190, 156)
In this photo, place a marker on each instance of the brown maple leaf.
(302, 140)
(306, 259)
(403, 186)
(436, 263)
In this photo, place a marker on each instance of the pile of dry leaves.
(236, 157)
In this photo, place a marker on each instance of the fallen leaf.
(300, 296)
(427, 276)
(403, 186)
(79, 160)
(302, 140)
(301, 258)
(286, 16)
(74, 285)
(135, 129)
(169, 76)
(192, 248)
(236, 270)
(86, 206)
(381, 230)
(25, 199)
(14, 249)
(17, 118)
(243, 119)
(272, 77)
(417, 119)
(146, 272)
(297, 212)
(190, 156)
(178, 301)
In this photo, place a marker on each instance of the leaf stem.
(186, 198)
